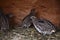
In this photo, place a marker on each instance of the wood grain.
(48, 9)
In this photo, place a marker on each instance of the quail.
(43, 26)
(4, 23)
(27, 21)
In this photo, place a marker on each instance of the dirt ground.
(27, 34)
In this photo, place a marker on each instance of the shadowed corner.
(5, 21)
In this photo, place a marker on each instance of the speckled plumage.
(27, 21)
(4, 23)
(43, 26)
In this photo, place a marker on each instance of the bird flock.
(43, 26)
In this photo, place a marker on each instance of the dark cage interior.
(12, 12)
